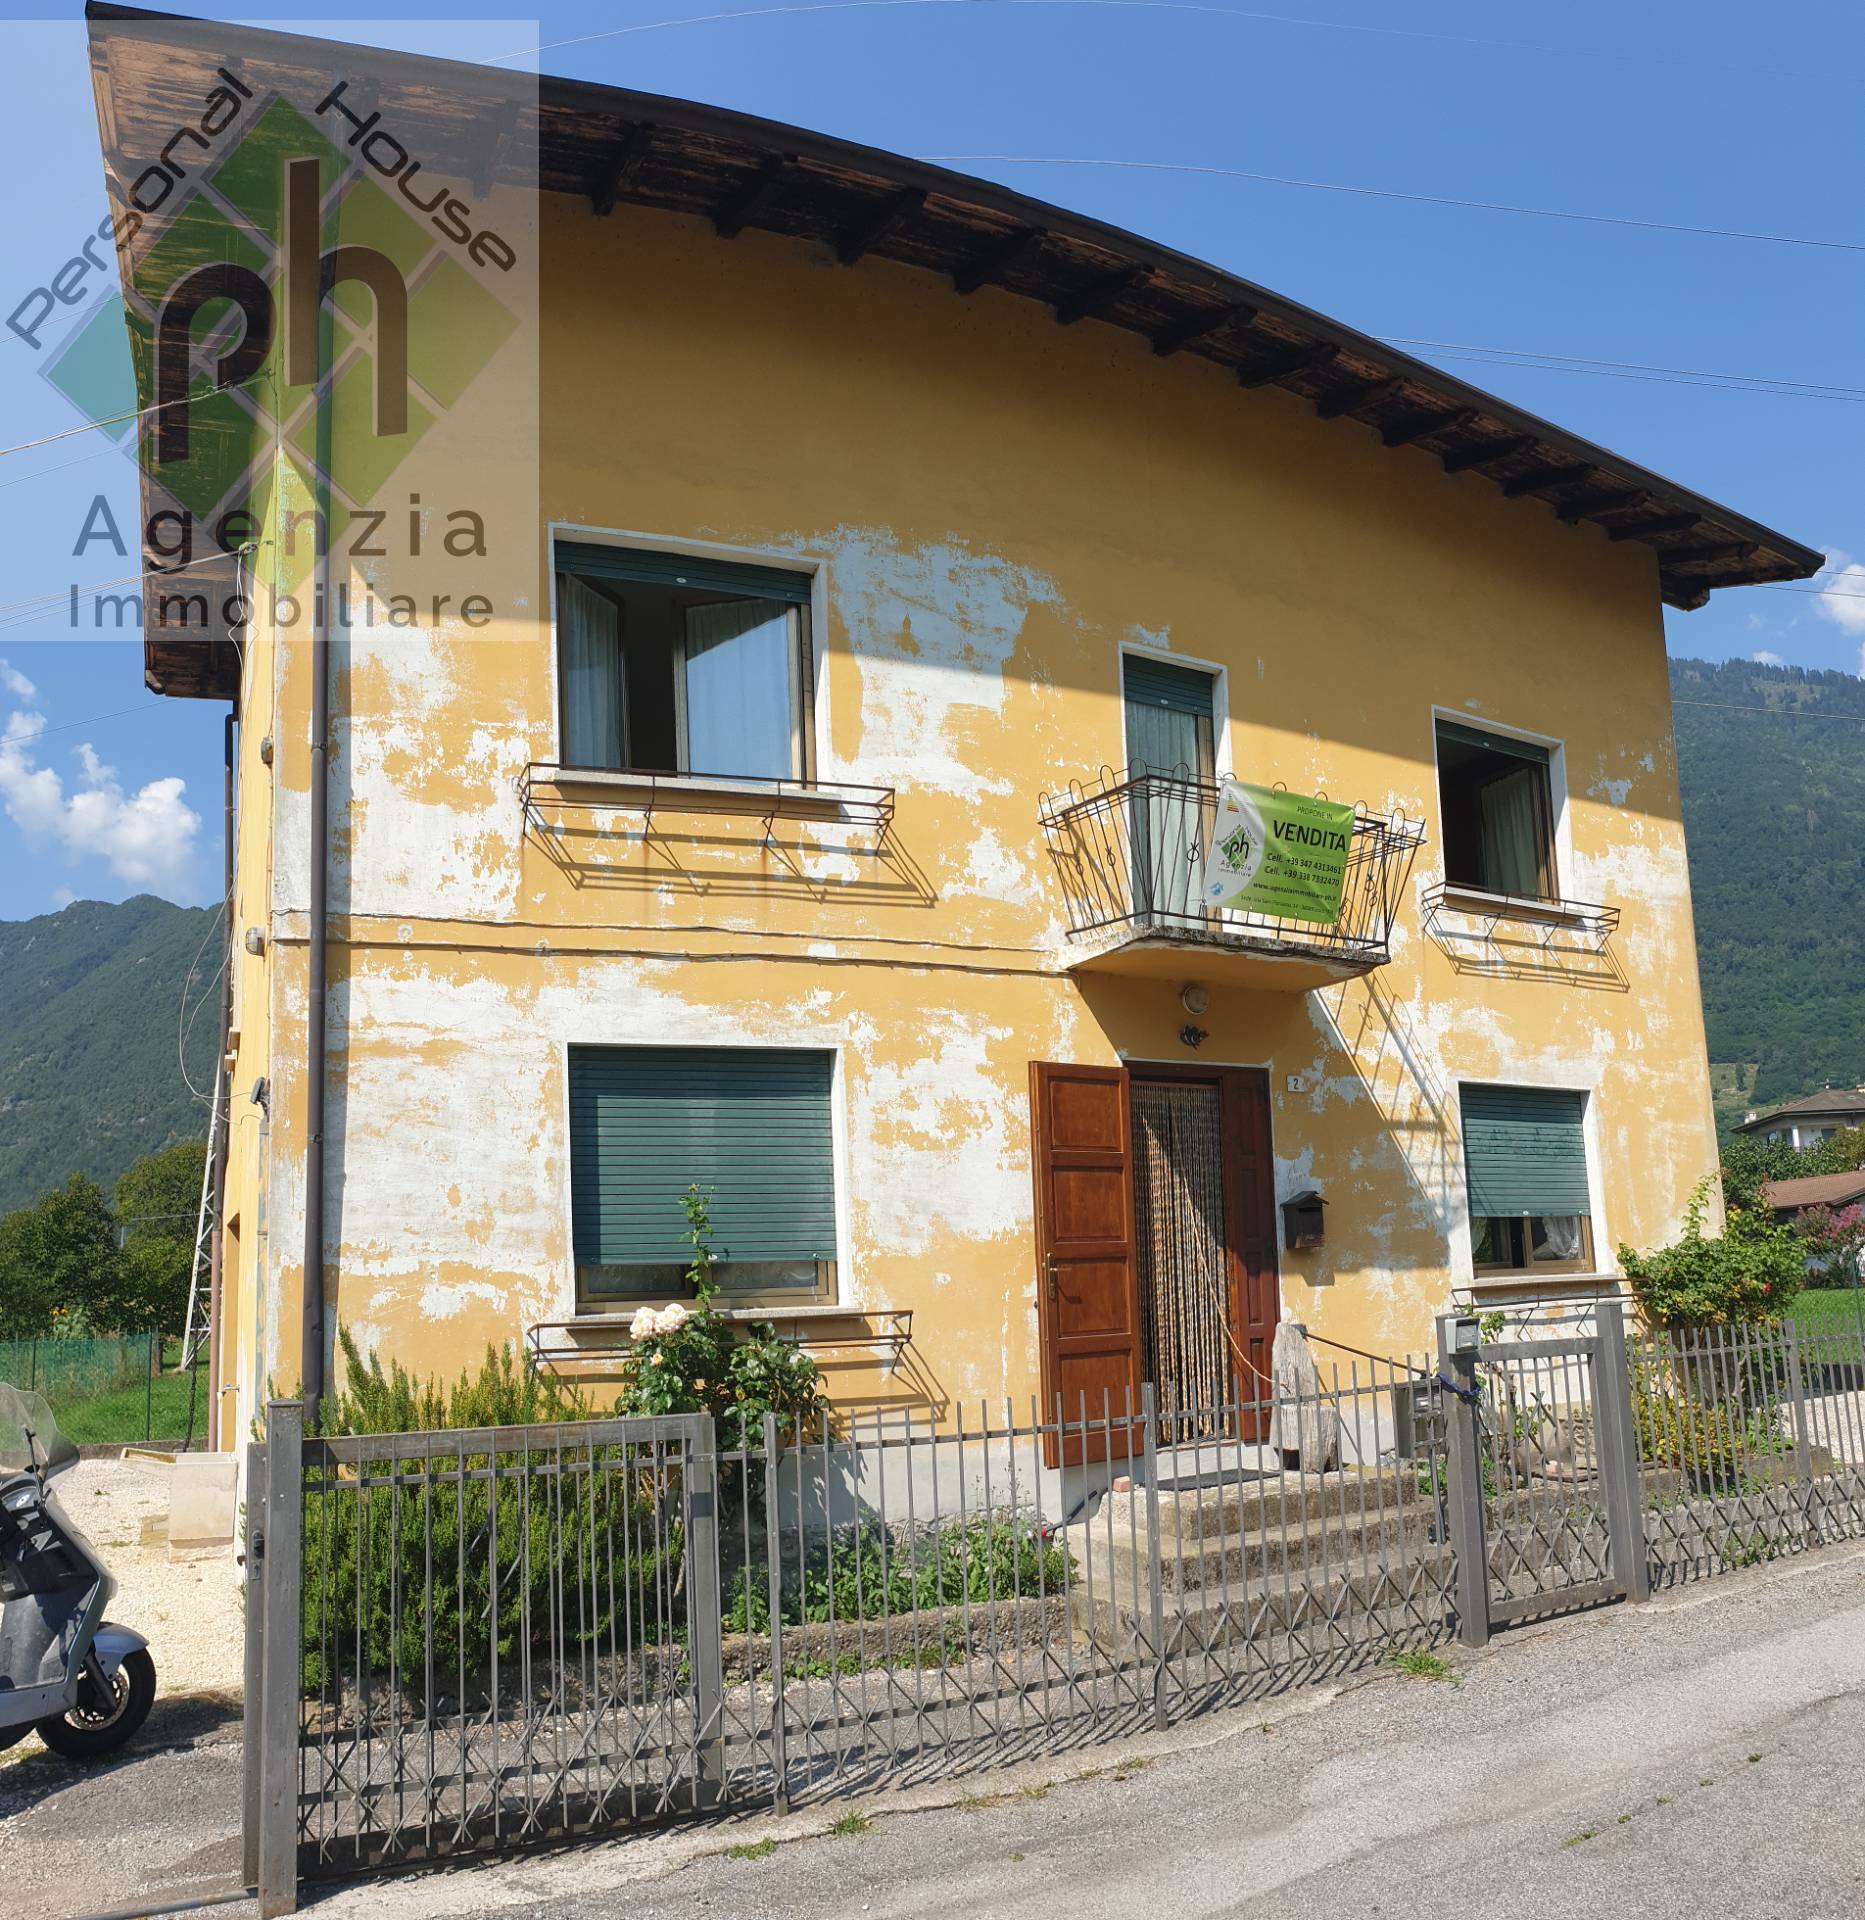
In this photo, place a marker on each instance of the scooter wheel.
(86, 1733)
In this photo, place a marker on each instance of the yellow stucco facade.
(991, 509)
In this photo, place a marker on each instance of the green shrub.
(693, 1359)
(1712, 1437)
(415, 1549)
(1751, 1274)
(864, 1572)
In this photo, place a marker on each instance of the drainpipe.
(312, 1351)
(221, 1143)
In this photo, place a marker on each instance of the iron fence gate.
(1544, 1488)
(478, 1638)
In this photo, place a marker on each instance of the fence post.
(774, 1567)
(1798, 1411)
(252, 1733)
(1155, 1556)
(1613, 1438)
(1463, 1464)
(148, 1386)
(282, 1570)
(703, 1611)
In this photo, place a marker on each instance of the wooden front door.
(1086, 1286)
(1092, 1313)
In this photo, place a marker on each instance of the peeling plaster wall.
(991, 507)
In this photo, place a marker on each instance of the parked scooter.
(85, 1685)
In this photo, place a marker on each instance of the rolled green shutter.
(1494, 742)
(684, 570)
(751, 1127)
(1525, 1151)
(1158, 683)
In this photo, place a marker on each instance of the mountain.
(1774, 806)
(89, 1005)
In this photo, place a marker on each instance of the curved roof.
(613, 146)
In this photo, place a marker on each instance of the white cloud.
(16, 682)
(1763, 658)
(1842, 596)
(147, 837)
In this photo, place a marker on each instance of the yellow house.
(823, 808)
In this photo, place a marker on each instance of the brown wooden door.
(1087, 1284)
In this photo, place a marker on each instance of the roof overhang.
(612, 146)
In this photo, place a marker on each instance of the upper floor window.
(1525, 1168)
(1496, 800)
(670, 664)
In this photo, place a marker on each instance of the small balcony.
(1130, 850)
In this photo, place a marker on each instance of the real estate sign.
(1279, 854)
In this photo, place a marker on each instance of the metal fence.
(473, 1640)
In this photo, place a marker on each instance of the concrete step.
(1298, 1551)
(1360, 1605)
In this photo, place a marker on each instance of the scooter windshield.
(30, 1435)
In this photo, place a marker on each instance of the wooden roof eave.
(615, 146)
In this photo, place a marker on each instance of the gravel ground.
(189, 1609)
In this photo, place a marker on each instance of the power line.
(1247, 15)
(1629, 366)
(1789, 713)
(1394, 193)
(69, 726)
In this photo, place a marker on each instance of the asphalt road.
(1703, 1756)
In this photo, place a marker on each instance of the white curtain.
(1512, 842)
(1560, 1237)
(738, 689)
(591, 629)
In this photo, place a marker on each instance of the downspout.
(221, 1144)
(306, 270)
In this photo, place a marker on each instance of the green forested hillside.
(1775, 811)
(89, 1081)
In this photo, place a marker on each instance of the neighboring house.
(1790, 1199)
(829, 826)
(1809, 1122)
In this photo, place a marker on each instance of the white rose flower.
(673, 1318)
(645, 1325)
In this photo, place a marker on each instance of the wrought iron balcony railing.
(1130, 850)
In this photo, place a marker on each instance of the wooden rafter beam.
(1201, 326)
(1286, 365)
(1490, 454)
(1604, 500)
(1530, 485)
(1709, 556)
(1099, 295)
(1651, 529)
(612, 182)
(735, 215)
(863, 235)
(1417, 425)
(1335, 406)
(997, 260)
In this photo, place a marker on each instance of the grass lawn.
(134, 1414)
(1834, 1319)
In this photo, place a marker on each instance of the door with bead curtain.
(1204, 1244)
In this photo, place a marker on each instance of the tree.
(158, 1201)
(58, 1257)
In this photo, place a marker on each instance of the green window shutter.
(1158, 683)
(1525, 1151)
(1493, 742)
(784, 584)
(750, 1126)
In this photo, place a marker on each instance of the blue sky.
(1703, 115)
